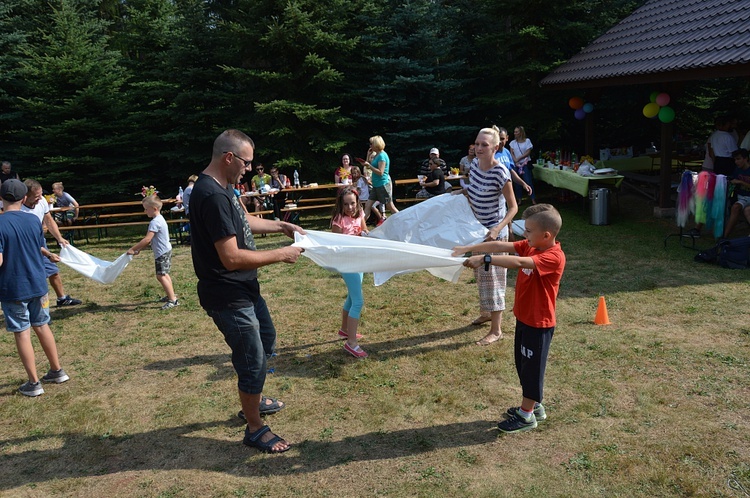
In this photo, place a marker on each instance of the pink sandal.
(357, 352)
(344, 335)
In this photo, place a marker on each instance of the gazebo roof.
(664, 41)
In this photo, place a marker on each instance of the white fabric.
(351, 254)
(444, 221)
(104, 272)
(418, 238)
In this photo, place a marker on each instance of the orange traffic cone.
(602, 317)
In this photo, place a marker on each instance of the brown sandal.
(482, 319)
(489, 339)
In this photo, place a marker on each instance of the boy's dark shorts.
(163, 263)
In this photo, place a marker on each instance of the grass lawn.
(655, 404)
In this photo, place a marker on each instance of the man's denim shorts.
(21, 315)
(250, 334)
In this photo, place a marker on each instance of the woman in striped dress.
(490, 194)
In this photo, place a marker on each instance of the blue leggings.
(354, 298)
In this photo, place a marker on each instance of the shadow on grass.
(68, 311)
(292, 360)
(178, 448)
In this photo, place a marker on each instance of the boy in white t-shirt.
(158, 237)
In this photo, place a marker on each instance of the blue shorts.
(21, 315)
(250, 334)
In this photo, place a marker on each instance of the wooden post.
(665, 179)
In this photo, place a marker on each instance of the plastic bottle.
(296, 179)
(179, 196)
(573, 160)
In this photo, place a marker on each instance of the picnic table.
(570, 180)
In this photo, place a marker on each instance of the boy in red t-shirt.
(541, 262)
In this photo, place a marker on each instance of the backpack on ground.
(735, 253)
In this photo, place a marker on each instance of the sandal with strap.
(345, 336)
(266, 409)
(254, 440)
(482, 319)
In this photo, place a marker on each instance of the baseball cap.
(13, 190)
(434, 151)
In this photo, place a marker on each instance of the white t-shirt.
(41, 209)
(723, 143)
(160, 243)
(746, 142)
(364, 189)
(520, 149)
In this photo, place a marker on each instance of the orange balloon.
(575, 103)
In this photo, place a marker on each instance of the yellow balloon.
(651, 110)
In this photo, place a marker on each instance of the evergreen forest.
(110, 95)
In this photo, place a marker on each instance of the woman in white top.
(521, 148)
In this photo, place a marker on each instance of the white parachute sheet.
(104, 272)
(418, 238)
(348, 254)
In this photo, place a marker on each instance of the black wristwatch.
(487, 262)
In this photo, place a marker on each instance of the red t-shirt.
(536, 290)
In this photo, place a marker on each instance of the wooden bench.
(411, 200)
(174, 224)
(316, 200)
(102, 217)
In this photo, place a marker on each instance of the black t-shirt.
(437, 173)
(215, 213)
(10, 176)
(424, 169)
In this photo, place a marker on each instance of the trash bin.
(599, 206)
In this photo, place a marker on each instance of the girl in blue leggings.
(348, 218)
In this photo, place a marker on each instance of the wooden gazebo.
(665, 42)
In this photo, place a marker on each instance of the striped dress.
(487, 200)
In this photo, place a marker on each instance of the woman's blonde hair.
(522, 132)
(493, 132)
(377, 143)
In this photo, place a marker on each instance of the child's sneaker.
(539, 412)
(516, 423)
(31, 389)
(170, 304)
(56, 376)
(357, 352)
(68, 301)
